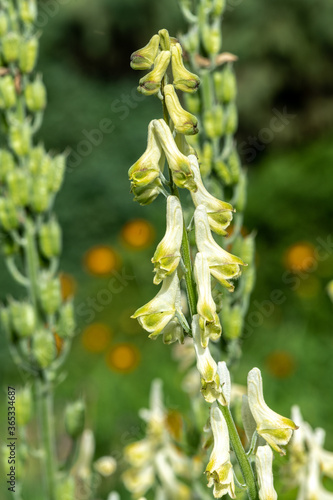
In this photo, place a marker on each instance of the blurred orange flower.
(68, 285)
(123, 358)
(101, 260)
(59, 342)
(300, 257)
(96, 337)
(138, 234)
(280, 364)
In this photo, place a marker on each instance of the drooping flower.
(144, 58)
(222, 265)
(184, 122)
(274, 428)
(167, 255)
(183, 79)
(219, 470)
(219, 212)
(150, 84)
(209, 320)
(139, 480)
(264, 467)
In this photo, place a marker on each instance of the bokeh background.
(284, 71)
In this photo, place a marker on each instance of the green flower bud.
(65, 488)
(212, 38)
(234, 164)
(20, 138)
(7, 92)
(11, 46)
(213, 120)
(39, 195)
(193, 103)
(50, 294)
(241, 192)
(150, 84)
(182, 78)
(28, 11)
(6, 323)
(8, 215)
(184, 122)
(231, 119)
(3, 23)
(7, 163)
(206, 159)
(74, 418)
(24, 405)
(249, 278)
(164, 39)
(66, 325)
(35, 96)
(50, 239)
(28, 54)
(218, 7)
(222, 170)
(35, 159)
(44, 348)
(18, 187)
(144, 58)
(57, 173)
(245, 248)
(232, 322)
(225, 85)
(23, 318)
(190, 41)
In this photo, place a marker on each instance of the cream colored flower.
(207, 367)
(274, 428)
(179, 164)
(139, 480)
(264, 467)
(219, 470)
(162, 309)
(155, 415)
(167, 255)
(219, 212)
(105, 466)
(222, 265)
(209, 320)
(167, 476)
(184, 122)
(139, 453)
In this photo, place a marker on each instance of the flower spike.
(274, 428)
(222, 265)
(167, 255)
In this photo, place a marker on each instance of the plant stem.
(242, 459)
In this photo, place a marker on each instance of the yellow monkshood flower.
(222, 265)
(178, 163)
(219, 212)
(206, 365)
(274, 428)
(183, 79)
(147, 194)
(149, 166)
(264, 467)
(150, 84)
(162, 309)
(139, 480)
(144, 58)
(139, 453)
(171, 485)
(219, 470)
(184, 122)
(167, 255)
(209, 321)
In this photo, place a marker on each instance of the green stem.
(242, 459)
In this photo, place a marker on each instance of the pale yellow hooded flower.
(264, 467)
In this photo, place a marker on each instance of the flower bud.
(8, 215)
(35, 159)
(7, 92)
(39, 195)
(210, 326)
(49, 294)
(11, 46)
(178, 163)
(57, 173)
(28, 54)
(150, 83)
(193, 103)
(28, 11)
(147, 194)
(164, 39)
(228, 90)
(206, 159)
(18, 187)
(213, 120)
(149, 166)
(234, 164)
(75, 418)
(66, 324)
(191, 40)
(35, 95)
(241, 192)
(211, 37)
(24, 405)
(249, 279)
(274, 428)
(50, 239)
(7, 163)
(223, 266)
(231, 122)
(23, 318)
(44, 348)
(222, 170)
(219, 470)
(20, 138)
(3, 24)
(232, 320)
(184, 122)
(167, 255)
(218, 7)
(183, 79)
(245, 247)
(264, 468)
(144, 58)
(105, 466)
(65, 488)
(219, 212)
